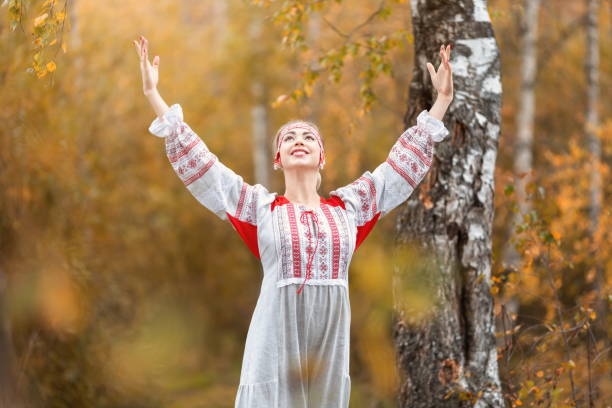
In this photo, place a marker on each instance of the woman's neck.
(301, 188)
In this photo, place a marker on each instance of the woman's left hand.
(442, 80)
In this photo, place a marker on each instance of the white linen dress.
(297, 348)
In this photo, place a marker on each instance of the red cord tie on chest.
(311, 255)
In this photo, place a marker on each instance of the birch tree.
(594, 147)
(523, 154)
(449, 358)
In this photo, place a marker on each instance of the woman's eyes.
(307, 137)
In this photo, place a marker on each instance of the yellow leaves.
(46, 27)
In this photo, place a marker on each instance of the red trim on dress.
(401, 172)
(334, 201)
(248, 233)
(370, 183)
(364, 230)
(335, 242)
(243, 191)
(420, 154)
(184, 151)
(310, 250)
(200, 172)
(279, 200)
(295, 242)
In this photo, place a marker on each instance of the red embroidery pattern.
(243, 192)
(401, 172)
(345, 235)
(295, 241)
(283, 236)
(189, 156)
(421, 154)
(365, 189)
(411, 156)
(246, 208)
(297, 246)
(335, 241)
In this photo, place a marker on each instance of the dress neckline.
(321, 201)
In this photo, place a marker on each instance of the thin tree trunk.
(261, 156)
(523, 153)
(452, 352)
(594, 147)
(259, 113)
(314, 36)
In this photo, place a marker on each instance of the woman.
(297, 349)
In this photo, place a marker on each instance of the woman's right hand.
(150, 72)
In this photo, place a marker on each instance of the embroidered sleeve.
(376, 193)
(214, 185)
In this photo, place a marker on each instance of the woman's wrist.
(157, 102)
(440, 106)
(150, 92)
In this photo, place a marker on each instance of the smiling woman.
(289, 132)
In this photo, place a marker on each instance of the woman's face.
(299, 149)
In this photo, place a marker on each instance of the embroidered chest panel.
(317, 243)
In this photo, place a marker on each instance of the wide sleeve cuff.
(434, 127)
(164, 126)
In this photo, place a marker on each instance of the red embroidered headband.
(300, 125)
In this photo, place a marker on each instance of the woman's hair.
(292, 122)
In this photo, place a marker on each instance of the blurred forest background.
(117, 289)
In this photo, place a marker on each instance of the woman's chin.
(300, 165)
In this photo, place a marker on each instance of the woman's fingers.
(137, 48)
(432, 71)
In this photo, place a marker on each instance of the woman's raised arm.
(213, 184)
(150, 76)
(376, 193)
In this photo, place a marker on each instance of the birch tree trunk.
(259, 115)
(594, 147)
(523, 153)
(450, 356)
(259, 112)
